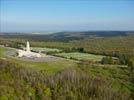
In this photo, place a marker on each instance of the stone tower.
(28, 47)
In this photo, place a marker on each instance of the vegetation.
(109, 60)
(78, 79)
(49, 67)
(46, 50)
(103, 45)
(131, 64)
(81, 56)
(74, 84)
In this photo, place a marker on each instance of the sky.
(66, 15)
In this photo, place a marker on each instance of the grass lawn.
(81, 56)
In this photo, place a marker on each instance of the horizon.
(52, 32)
(61, 15)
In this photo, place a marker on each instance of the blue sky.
(66, 15)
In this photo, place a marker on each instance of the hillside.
(66, 36)
(79, 76)
(107, 44)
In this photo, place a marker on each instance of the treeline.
(65, 36)
(21, 83)
(122, 59)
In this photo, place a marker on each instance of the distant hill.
(67, 36)
(90, 34)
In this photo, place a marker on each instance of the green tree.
(107, 60)
(80, 49)
(131, 64)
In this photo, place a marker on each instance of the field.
(2, 51)
(81, 56)
(70, 77)
(64, 76)
(49, 67)
(46, 50)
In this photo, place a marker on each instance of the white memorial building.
(28, 52)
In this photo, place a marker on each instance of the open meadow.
(81, 56)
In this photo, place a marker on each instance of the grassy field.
(2, 51)
(81, 56)
(115, 77)
(45, 49)
(49, 67)
(66, 77)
